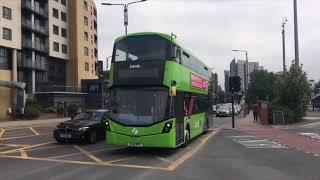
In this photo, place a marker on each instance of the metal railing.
(36, 9)
(59, 88)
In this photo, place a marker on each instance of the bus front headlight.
(167, 127)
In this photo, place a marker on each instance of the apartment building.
(10, 43)
(46, 42)
(238, 68)
(84, 41)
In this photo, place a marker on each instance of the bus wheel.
(186, 138)
(206, 126)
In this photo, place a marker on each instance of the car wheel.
(60, 141)
(93, 137)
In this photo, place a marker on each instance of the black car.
(88, 126)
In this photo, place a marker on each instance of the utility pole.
(284, 44)
(296, 34)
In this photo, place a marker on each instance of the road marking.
(14, 145)
(88, 154)
(87, 163)
(164, 159)
(311, 135)
(25, 148)
(21, 137)
(96, 151)
(1, 133)
(254, 142)
(118, 160)
(23, 154)
(192, 152)
(42, 148)
(311, 125)
(34, 131)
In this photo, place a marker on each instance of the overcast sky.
(212, 28)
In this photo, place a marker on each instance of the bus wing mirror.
(173, 52)
(173, 91)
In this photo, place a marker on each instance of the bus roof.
(166, 36)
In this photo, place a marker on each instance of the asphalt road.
(31, 153)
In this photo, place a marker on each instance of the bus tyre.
(186, 138)
(93, 137)
(206, 126)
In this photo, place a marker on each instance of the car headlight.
(83, 128)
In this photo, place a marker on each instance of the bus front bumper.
(166, 140)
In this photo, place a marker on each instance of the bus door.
(179, 115)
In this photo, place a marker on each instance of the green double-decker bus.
(158, 93)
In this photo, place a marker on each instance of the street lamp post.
(284, 44)
(246, 79)
(125, 10)
(296, 34)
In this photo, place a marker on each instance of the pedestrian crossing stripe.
(254, 142)
(311, 135)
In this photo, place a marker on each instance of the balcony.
(40, 11)
(24, 62)
(27, 43)
(40, 30)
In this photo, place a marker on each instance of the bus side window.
(178, 59)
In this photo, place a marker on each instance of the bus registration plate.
(135, 144)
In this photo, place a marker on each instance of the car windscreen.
(138, 106)
(94, 116)
(141, 48)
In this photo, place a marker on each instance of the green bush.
(72, 110)
(33, 102)
(32, 112)
(50, 110)
(289, 115)
(61, 111)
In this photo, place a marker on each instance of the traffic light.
(235, 83)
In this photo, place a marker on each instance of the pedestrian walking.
(255, 109)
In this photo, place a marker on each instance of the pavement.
(249, 151)
(19, 123)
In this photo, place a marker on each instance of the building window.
(86, 66)
(86, 51)
(85, 20)
(64, 2)
(85, 5)
(6, 13)
(86, 36)
(55, 13)
(7, 34)
(63, 32)
(5, 58)
(55, 30)
(64, 49)
(64, 16)
(56, 46)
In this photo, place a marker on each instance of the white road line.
(311, 135)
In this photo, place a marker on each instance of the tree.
(295, 92)
(262, 85)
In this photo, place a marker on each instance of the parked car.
(224, 111)
(88, 126)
